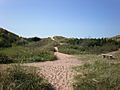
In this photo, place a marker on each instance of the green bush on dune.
(4, 59)
(42, 56)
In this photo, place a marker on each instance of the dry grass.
(97, 74)
(19, 77)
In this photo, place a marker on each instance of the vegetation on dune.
(22, 78)
(7, 38)
(35, 39)
(60, 39)
(33, 52)
(25, 54)
(100, 75)
(5, 59)
(97, 73)
(94, 46)
(15, 49)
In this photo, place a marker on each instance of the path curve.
(59, 73)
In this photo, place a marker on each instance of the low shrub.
(42, 56)
(4, 59)
(21, 42)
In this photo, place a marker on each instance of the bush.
(21, 41)
(22, 78)
(42, 56)
(4, 43)
(34, 39)
(72, 49)
(4, 59)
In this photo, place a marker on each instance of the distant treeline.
(93, 42)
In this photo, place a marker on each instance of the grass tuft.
(22, 78)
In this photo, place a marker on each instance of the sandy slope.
(58, 73)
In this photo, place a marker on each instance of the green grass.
(99, 74)
(33, 52)
(20, 77)
(22, 54)
(69, 49)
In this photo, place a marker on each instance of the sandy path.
(58, 73)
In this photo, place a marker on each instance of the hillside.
(89, 45)
(24, 50)
(65, 45)
(7, 38)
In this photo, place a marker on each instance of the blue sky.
(71, 18)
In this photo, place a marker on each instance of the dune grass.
(33, 52)
(19, 77)
(97, 74)
(23, 54)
